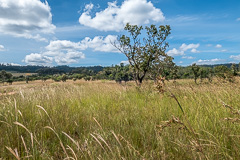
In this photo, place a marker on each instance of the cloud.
(183, 48)
(64, 45)
(69, 57)
(26, 18)
(238, 19)
(100, 43)
(218, 46)
(88, 7)
(68, 52)
(175, 52)
(124, 62)
(224, 50)
(61, 52)
(38, 59)
(209, 61)
(235, 57)
(59, 57)
(194, 50)
(180, 18)
(115, 17)
(2, 48)
(188, 57)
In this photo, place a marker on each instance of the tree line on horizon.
(123, 73)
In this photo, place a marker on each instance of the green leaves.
(4, 76)
(144, 53)
(195, 69)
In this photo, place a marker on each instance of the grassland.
(105, 120)
(17, 74)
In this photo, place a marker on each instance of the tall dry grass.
(105, 120)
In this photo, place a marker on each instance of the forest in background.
(119, 73)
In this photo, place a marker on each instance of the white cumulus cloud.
(2, 48)
(70, 57)
(25, 18)
(175, 52)
(38, 59)
(235, 57)
(115, 17)
(209, 61)
(68, 52)
(194, 50)
(183, 48)
(100, 43)
(62, 52)
(63, 45)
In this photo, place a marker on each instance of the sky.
(81, 32)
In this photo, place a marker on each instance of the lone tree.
(174, 73)
(144, 53)
(234, 69)
(195, 69)
(64, 78)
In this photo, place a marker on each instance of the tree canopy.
(144, 53)
(5, 77)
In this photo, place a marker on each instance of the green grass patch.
(105, 120)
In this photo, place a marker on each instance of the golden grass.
(105, 120)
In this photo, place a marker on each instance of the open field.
(106, 120)
(17, 74)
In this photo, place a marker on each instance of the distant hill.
(20, 69)
(214, 65)
(56, 69)
(67, 69)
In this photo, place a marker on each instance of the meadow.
(106, 120)
(17, 74)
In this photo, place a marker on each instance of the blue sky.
(80, 32)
